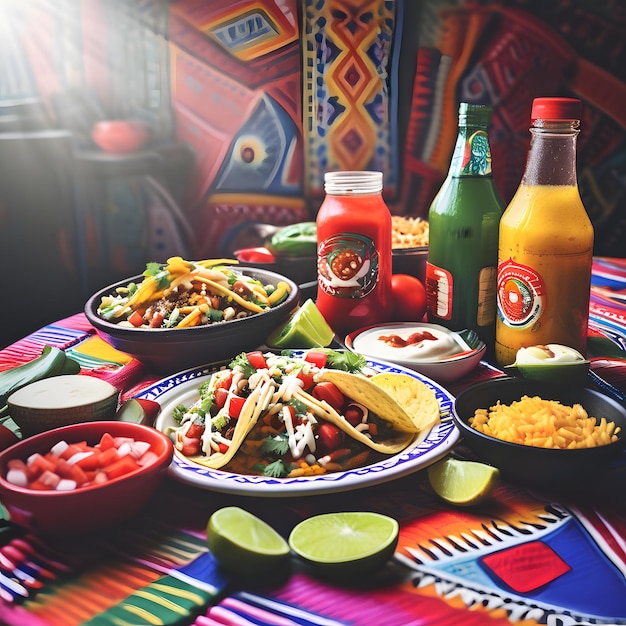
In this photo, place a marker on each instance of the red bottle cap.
(556, 109)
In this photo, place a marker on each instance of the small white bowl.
(60, 401)
(443, 369)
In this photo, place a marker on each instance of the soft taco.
(212, 429)
(395, 427)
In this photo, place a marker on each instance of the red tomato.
(317, 357)
(136, 319)
(220, 397)
(409, 298)
(307, 379)
(328, 392)
(329, 438)
(157, 320)
(257, 360)
(353, 414)
(235, 404)
(195, 431)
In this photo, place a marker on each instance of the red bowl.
(119, 136)
(90, 508)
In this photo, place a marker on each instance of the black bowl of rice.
(541, 434)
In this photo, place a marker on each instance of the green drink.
(464, 221)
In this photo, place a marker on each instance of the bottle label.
(439, 286)
(521, 295)
(347, 265)
(475, 158)
(486, 311)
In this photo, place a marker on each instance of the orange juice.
(544, 270)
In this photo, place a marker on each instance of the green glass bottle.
(464, 221)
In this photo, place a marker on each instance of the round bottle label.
(521, 295)
(347, 265)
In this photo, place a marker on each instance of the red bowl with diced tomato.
(83, 477)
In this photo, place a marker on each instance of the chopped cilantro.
(298, 406)
(277, 469)
(159, 273)
(205, 388)
(243, 362)
(346, 361)
(277, 445)
(215, 315)
(178, 412)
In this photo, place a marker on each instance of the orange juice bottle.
(545, 241)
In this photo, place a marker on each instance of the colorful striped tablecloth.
(522, 557)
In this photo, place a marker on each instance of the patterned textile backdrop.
(270, 95)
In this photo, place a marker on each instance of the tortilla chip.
(418, 400)
(377, 400)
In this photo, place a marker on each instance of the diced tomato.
(306, 378)
(78, 474)
(328, 392)
(80, 464)
(108, 456)
(221, 396)
(257, 360)
(90, 462)
(71, 450)
(317, 357)
(106, 442)
(156, 320)
(39, 464)
(125, 465)
(195, 431)
(223, 448)
(136, 319)
(49, 478)
(373, 428)
(190, 447)
(353, 414)
(225, 382)
(235, 404)
(330, 437)
(37, 484)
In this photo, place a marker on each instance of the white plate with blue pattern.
(429, 447)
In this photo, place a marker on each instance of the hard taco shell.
(418, 400)
(376, 399)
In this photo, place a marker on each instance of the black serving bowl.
(168, 350)
(564, 470)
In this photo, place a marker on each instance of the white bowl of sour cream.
(429, 349)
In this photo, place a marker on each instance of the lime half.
(306, 328)
(346, 544)
(245, 544)
(463, 483)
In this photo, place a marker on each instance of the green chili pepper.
(296, 240)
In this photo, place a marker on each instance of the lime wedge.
(354, 543)
(306, 328)
(245, 544)
(463, 483)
